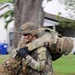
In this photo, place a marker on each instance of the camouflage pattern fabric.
(11, 65)
(39, 62)
(66, 45)
(46, 37)
(28, 28)
(51, 39)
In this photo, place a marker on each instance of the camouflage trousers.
(4, 71)
(12, 67)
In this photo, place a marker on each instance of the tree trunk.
(26, 11)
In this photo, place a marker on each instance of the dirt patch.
(57, 73)
(72, 74)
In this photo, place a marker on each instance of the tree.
(9, 15)
(25, 11)
(70, 7)
(70, 4)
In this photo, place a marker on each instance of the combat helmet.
(28, 28)
(66, 45)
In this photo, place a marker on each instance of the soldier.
(49, 38)
(56, 44)
(39, 64)
(39, 61)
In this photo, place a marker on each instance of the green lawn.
(1, 1)
(3, 57)
(63, 66)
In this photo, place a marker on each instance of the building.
(6, 35)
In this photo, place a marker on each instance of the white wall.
(3, 31)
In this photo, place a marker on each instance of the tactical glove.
(56, 56)
(23, 52)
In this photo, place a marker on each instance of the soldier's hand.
(56, 56)
(23, 52)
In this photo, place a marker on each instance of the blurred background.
(55, 14)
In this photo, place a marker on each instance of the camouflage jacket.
(46, 37)
(38, 65)
(56, 44)
(39, 62)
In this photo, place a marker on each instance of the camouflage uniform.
(39, 64)
(48, 38)
(42, 65)
(40, 60)
(51, 39)
(11, 66)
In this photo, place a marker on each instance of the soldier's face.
(28, 38)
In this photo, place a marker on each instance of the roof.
(53, 17)
(5, 7)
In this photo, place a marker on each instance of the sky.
(53, 7)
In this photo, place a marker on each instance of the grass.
(63, 66)
(1, 1)
(3, 57)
